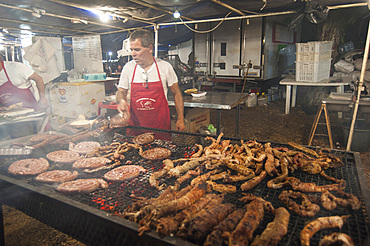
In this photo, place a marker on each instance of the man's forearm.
(121, 98)
(179, 105)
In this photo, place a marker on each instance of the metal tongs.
(16, 149)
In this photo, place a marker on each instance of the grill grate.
(117, 197)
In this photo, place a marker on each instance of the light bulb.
(176, 14)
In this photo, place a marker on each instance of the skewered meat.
(236, 178)
(319, 224)
(253, 182)
(146, 214)
(250, 197)
(275, 230)
(243, 233)
(46, 141)
(323, 174)
(218, 176)
(183, 202)
(330, 202)
(199, 152)
(277, 182)
(270, 165)
(311, 167)
(63, 156)
(306, 209)
(240, 169)
(90, 163)
(29, 166)
(167, 225)
(57, 176)
(304, 149)
(312, 187)
(124, 173)
(41, 137)
(221, 187)
(168, 164)
(203, 223)
(155, 153)
(187, 176)
(84, 147)
(145, 138)
(200, 179)
(82, 185)
(336, 238)
(178, 170)
(183, 229)
(140, 202)
(218, 235)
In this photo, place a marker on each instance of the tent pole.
(359, 89)
(156, 41)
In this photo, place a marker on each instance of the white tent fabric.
(41, 56)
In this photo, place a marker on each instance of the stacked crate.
(313, 61)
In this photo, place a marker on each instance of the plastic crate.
(314, 51)
(313, 57)
(315, 47)
(312, 71)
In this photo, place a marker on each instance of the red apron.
(149, 106)
(11, 94)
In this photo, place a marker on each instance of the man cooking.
(15, 84)
(145, 80)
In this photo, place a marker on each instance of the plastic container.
(312, 71)
(313, 57)
(315, 47)
(361, 135)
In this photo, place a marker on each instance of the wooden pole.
(359, 88)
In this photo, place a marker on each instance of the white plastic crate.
(313, 57)
(314, 51)
(312, 71)
(315, 47)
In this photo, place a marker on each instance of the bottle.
(263, 95)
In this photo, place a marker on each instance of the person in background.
(107, 69)
(119, 68)
(15, 84)
(146, 80)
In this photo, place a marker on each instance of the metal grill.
(71, 213)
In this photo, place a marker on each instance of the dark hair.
(145, 36)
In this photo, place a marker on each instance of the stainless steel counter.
(215, 100)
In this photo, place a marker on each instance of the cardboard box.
(197, 118)
(71, 99)
(261, 101)
(94, 76)
(173, 125)
(251, 100)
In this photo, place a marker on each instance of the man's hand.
(122, 105)
(43, 103)
(180, 125)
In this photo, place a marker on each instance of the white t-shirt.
(18, 74)
(166, 71)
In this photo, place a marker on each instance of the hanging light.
(176, 14)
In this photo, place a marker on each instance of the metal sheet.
(213, 100)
